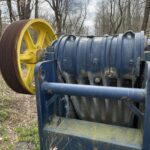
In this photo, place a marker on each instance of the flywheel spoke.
(41, 38)
(28, 40)
(28, 57)
(30, 75)
(48, 39)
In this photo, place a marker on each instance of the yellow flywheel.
(21, 47)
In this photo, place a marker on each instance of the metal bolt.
(131, 62)
(97, 80)
(64, 60)
(129, 36)
(95, 61)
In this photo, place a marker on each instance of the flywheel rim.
(11, 57)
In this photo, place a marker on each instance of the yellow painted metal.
(36, 35)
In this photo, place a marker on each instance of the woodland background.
(68, 16)
(18, 117)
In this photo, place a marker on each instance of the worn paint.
(102, 133)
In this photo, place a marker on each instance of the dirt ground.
(17, 118)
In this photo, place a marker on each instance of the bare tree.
(24, 9)
(82, 22)
(109, 16)
(75, 21)
(60, 8)
(146, 15)
(36, 8)
(102, 22)
(11, 15)
(129, 15)
(69, 15)
(0, 22)
(114, 16)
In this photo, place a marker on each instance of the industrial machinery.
(93, 93)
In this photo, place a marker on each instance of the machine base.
(72, 134)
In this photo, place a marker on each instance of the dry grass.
(16, 111)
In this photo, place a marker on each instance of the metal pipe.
(114, 93)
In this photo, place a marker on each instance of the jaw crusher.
(93, 93)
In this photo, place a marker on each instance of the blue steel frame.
(49, 95)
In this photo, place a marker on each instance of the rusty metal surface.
(8, 56)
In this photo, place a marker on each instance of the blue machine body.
(77, 55)
(108, 57)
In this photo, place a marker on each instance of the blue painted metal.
(113, 93)
(42, 97)
(134, 109)
(77, 55)
(49, 105)
(146, 134)
(71, 142)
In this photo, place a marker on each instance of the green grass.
(4, 115)
(3, 134)
(5, 103)
(29, 135)
(25, 134)
(4, 109)
(5, 139)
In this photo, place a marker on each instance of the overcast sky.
(91, 11)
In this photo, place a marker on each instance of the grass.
(4, 116)
(18, 122)
(29, 135)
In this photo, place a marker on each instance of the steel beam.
(114, 93)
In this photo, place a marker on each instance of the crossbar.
(115, 93)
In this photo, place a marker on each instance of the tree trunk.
(121, 15)
(24, 9)
(19, 10)
(129, 15)
(11, 16)
(0, 23)
(146, 15)
(27, 10)
(59, 25)
(36, 9)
